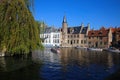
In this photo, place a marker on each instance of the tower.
(64, 32)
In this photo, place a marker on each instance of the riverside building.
(74, 36)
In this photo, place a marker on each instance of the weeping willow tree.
(42, 26)
(19, 33)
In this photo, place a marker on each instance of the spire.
(88, 25)
(82, 24)
(64, 19)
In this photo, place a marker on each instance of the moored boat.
(55, 50)
(95, 49)
(114, 50)
(78, 47)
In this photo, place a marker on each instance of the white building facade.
(51, 38)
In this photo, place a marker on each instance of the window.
(68, 41)
(84, 41)
(57, 40)
(55, 36)
(97, 37)
(77, 41)
(100, 43)
(105, 43)
(49, 40)
(68, 36)
(100, 32)
(89, 42)
(84, 36)
(81, 41)
(74, 36)
(78, 35)
(74, 41)
(53, 41)
(100, 38)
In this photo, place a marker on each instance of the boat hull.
(115, 51)
(81, 48)
(95, 49)
(55, 50)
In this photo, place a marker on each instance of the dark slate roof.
(50, 29)
(84, 30)
(77, 30)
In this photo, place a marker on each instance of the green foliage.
(29, 4)
(19, 32)
(42, 26)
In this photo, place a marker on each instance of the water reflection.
(75, 64)
(2, 64)
(12, 68)
(85, 58)
(70, 64)
(45, 56)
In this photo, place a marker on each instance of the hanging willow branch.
(29, 4)
(19, 33)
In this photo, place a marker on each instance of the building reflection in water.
(70, 64)
(45, 55)
(86, 58)
(110, 60)
(79, 57)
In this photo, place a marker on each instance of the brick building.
(100, 38)
(116, 37)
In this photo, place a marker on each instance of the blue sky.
(96, 12)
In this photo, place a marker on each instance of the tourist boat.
(55, 50)
(95, 49)
(114, 50)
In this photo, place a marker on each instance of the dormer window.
(100, 32)
(71, 30)
(92, 33)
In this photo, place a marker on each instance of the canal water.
(69, 64)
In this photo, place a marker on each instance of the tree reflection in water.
(69, 64)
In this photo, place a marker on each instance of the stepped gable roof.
(117, 30)
(95, 33)
(74, 30)
(77, 30)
